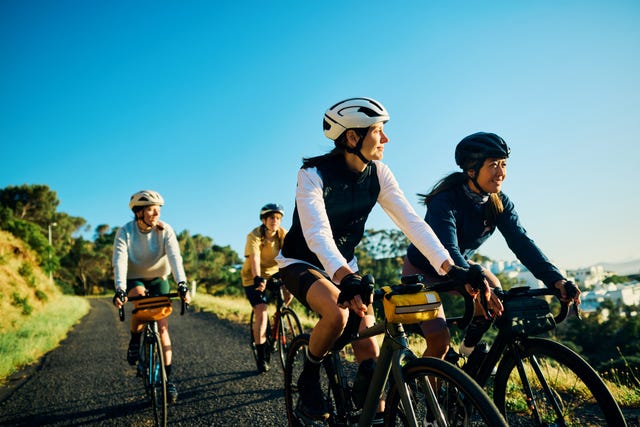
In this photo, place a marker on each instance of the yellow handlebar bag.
(404, 306)
(154, 308)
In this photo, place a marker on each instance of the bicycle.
(455, 400)
(150, 365)
(281, 329)
(535, 378)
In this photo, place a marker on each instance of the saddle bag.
(527, 316)
(410, 304)
(150, 309)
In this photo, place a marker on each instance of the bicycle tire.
(294, 365)
(155, 380)
(269, 342)
(462, 401)
(289, 327)
(583, 397)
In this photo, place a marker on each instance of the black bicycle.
(421, 391)
(150, 365)
(282, 327)
(537, 381)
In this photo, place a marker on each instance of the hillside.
(25, 289)
(36, 316)
(623, 268)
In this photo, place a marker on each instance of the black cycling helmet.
(271, 208)
(474, 149)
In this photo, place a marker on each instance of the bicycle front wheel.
(563, 389)
(155, 379)
(438, 389)
(294, 366)
(288, 328)
(269, 342)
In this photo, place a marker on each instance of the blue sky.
(214, 104)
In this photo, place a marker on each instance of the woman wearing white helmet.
(263, 244)
(334, 196)
(145, 252)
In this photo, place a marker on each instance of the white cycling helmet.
(146, 198)
(353, 113)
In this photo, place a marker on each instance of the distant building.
(591, 276)
(590, 279)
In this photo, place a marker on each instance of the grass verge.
(39, 333)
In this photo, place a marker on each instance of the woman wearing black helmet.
(263, 244)
(145, 251)
(334, 195)
(464, 209)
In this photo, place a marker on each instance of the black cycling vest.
(349, 197)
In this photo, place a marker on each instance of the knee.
(336, 319)
(438, 343)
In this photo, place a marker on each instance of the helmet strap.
(357, 150)
(142, 220)
(474, 180)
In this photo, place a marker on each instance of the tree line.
(83, 267)
(607, 338)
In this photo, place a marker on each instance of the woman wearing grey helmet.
(263, 244)
(145, 252)
(334, 195)
(464, 209)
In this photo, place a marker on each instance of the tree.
(34, 203)
(210, 265)
(381, 253)
(84, 266)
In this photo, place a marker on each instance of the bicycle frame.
(394, 352)
(149, 339)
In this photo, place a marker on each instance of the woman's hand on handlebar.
(569, 292)
(351, 291)
(488, 300)
(119, 298)
(183, 290)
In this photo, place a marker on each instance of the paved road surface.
(87, 381)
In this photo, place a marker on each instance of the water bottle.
(476, 358)
(453, 357)
(362, 382)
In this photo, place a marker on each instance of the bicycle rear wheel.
(565, 390)
(155, 379)
(459, 398)
(288, 328)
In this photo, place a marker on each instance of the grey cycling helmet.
(353, 113)
(271, 208)
(146, 198)
(474, 149)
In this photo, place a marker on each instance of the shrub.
(22, 302)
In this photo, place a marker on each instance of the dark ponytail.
(493, 207)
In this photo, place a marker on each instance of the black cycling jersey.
(349, 197)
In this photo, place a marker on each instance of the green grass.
(39, 333)
(238, 309)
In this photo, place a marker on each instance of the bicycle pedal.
(305, 420)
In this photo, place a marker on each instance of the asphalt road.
(87, 381)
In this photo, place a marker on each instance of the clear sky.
(214, 104)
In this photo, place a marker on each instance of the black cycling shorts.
(298, 278)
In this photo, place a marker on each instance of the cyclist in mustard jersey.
(262, 247)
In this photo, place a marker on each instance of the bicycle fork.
(526, 385)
